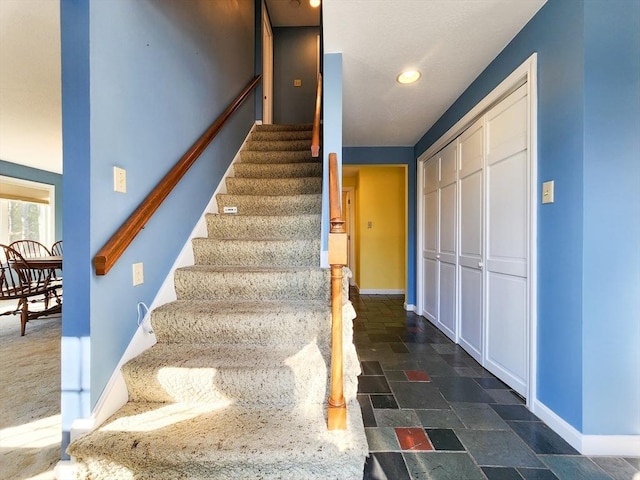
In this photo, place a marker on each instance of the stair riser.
(299, 156)
(271, 205)
(241, 386)
(271, 227)
(209, 285)
(282, 135)
(280, 146)
(275, 170)
(301, 253)
(237, 328)
(274, 186)
(284, 127)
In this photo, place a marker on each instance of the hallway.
(432, 412)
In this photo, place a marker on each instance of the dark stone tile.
(396, 418)
(395, 376)
(454, 360)
(368, 418)
(399, 347)
(634, 461)
(383, 401)
(371, 368)
(418, 395)
(442, 466)
(384, 338)
(385, 465)
(541, 439)
(515, 412)
(373, 384)
(492, 383)
(382, 439)
(506, 397)
(439, 419)
(479, 416)
(498, 447)
(444, 439)
(461, 389)
(617, 468)
(501, 473)
(537, 474)
(572, 468)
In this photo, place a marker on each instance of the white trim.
(409, 307)
(381, 291)
(324, 259)
(115, 394)
(614, 445)
(513, 80)
(557, 424)
(65, 470)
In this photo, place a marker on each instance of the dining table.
(51, 262)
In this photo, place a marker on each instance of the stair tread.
(214, 356)
(250, 269)
(202, 441)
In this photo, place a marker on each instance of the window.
(27, 211)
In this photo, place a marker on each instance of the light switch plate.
(138, 274)
(547, 192)
(119, 180)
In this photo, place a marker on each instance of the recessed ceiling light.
(408, 76)
(314, 3)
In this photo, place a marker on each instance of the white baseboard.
(65, 470)
(409, 307)
(380, 291)
(615, 445)
(115, 394)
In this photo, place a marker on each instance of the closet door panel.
(507, 236)
(431, 207)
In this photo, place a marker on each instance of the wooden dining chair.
(29, 286)
(56, 248)
(30, 248)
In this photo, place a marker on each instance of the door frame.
(350, 191)
(525, 73)
(267, 67)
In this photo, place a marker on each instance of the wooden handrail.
(337, 411)
(315, 138)
(119, 241)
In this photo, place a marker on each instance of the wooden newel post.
(337, 410)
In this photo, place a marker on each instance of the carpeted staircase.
(237, 384)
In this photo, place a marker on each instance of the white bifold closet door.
(471, 258)
(431, 208)
(447, 242)
(507, 239)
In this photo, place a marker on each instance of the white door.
(267, 68)
(507, 229)
(431, 206)
(447, 241)
(471, 155)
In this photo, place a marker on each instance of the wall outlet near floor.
(138, 274)
(229, 210)
(119, 180)
(297, 83)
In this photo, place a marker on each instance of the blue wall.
(611, 191)
(394, 156)
(294, 57)
(570, 83)
(331, 129)
(138, 99)
(9, 169)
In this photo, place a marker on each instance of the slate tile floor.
(432, 412)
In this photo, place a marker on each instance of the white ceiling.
(30, 84)
(449, 41)
(292, 13)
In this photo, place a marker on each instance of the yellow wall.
(380, 250)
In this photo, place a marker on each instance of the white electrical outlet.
(229, 209)
(138, 274)
(119, 180)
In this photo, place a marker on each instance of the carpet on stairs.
(236, 386)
